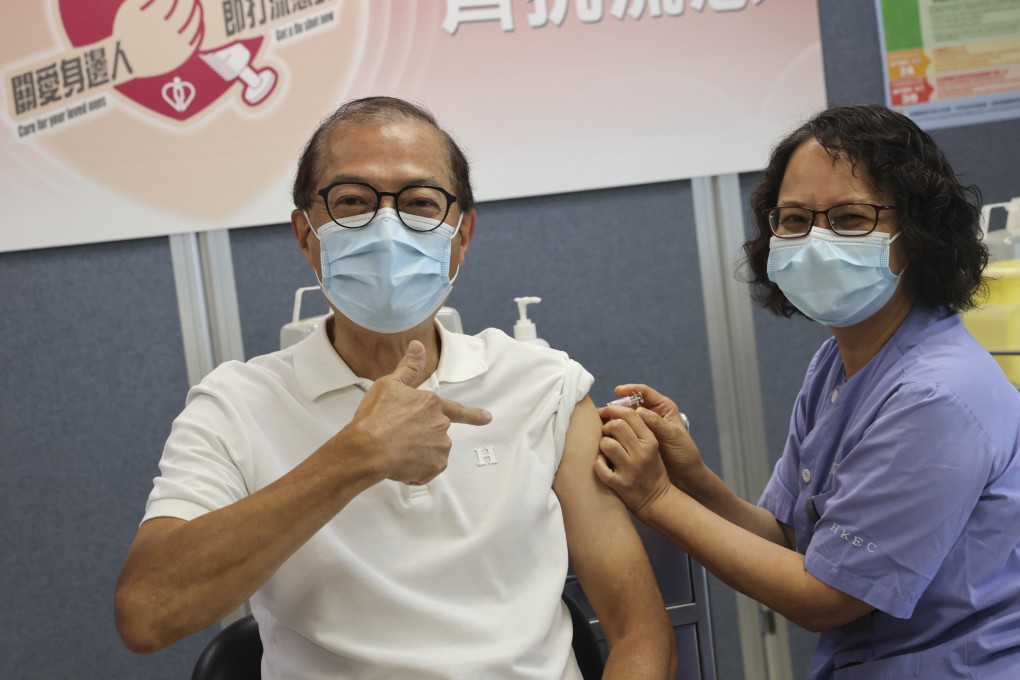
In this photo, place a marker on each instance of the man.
(380, 527)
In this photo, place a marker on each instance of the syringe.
(631, 400)
(638, 398)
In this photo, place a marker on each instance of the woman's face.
(813, 179)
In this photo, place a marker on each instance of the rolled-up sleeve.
(200, 469)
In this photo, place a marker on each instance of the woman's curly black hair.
(939, 218)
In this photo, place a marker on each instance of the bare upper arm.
(605, 550)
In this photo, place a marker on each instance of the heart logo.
(179, 94)
(229, 165)
(187, 88)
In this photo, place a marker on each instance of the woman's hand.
(629, 461)
(661, 416)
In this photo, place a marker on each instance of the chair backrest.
(235, 653)
(585, 643)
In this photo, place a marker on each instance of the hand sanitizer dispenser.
(1003, 244)
(524, 329)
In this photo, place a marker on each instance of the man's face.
(389, 156)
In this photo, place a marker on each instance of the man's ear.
(302, 232)
(467, 232)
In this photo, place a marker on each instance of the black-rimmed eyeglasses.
(846, 219)
(420, 207)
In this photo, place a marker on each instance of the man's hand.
(407, 428)
(180, 577)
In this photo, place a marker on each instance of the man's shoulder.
(494, 342)
(523, 366)
(501, 354)
(274, 371)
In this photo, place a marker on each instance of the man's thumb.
(411, 366)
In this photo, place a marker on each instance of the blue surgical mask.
(835, 280)
(383, 276)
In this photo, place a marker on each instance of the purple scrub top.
(902, 485)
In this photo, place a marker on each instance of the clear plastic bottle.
(524, 328)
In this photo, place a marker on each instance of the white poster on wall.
(137, 118)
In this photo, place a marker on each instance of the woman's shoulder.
(951, 376)
(947, 358)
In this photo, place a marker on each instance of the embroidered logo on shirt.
(855, 541)
(486, 455)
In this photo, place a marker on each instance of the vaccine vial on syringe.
(631, 400)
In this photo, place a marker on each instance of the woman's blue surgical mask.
(835, 280)
(383, 276)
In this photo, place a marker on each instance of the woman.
(891, 524)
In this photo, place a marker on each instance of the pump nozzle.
(524, 329)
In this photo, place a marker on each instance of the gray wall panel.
(268, 268)
(93, 373)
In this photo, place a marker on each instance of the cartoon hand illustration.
(158, 36)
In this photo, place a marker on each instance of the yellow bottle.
(996, 324)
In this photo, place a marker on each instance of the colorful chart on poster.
(951, 62)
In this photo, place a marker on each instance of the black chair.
(585, 643)
(235, 653)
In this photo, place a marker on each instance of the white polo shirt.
(457, 579)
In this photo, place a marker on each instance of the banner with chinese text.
(136, 118)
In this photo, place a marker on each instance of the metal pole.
(719, 224)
